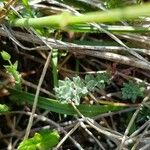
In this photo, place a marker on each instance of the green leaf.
(90, 82)
(58, 107)
(25, 2)
(5, 55)
(99, 81)
(28, 8)
(102, 79)
(55, 66)
(3, 108)
(49, 139)
(132, 91)
(42, 141)
(12, 70)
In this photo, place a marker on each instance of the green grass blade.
(55, 66)
(111, 28)
(56, 106)
(66, 18)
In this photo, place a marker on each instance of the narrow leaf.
(58, 107)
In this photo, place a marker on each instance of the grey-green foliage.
(132, 91)
(72, 90)
(99, 81)
(68, 90)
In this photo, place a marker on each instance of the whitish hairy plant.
(72, 90)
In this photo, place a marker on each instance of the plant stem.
(64, 19)
(112, 28)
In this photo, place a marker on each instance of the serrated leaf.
(89, 78)
(91, 85)
(132, 91)
(71, 90)
(103, 77)
(101, 85)
(76, 80)
(90, 82)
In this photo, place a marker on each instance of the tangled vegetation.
(74, 74)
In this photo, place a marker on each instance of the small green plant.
(132, 91)
(99, 81)
(43, 140)
(11, 68)
(72, 90)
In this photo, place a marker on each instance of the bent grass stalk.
(64, 19)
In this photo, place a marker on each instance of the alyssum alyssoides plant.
(72, 90)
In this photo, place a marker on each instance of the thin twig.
(99, 129)
(34, 86)
(132, 121)
(91, 134)
(99, 51)
(66, 136)
(140, 138)
(44, 119)
(36, 96)
(135, 133)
